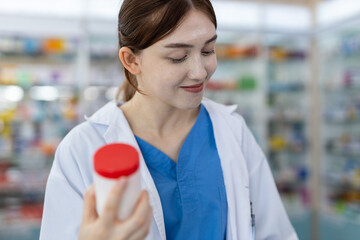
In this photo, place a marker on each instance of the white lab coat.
(245, 169)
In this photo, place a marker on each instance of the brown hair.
(142, 23)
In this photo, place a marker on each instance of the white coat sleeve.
(64, 195)
(271, 220)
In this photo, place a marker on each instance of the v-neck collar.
(153, 154)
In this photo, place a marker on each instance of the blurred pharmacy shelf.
(288, 120)
(38, 106)
(340, 85)
(105, 72)
(265, 75)
(42, 96)
(239, 78)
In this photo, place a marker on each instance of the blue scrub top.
(192, 191)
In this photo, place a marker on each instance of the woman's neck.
(156, 117)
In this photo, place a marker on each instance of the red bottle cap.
(116, 160)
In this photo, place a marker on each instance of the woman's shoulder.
(78, 146)
(82, 133)
(94, 125)
(74, 154)
(89, 134)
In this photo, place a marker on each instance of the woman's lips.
(194, 88)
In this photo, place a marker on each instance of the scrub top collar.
(200, 125)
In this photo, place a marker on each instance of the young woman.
(203, 174)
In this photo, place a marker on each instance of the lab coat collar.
(104, 115)
(118, 130)
(226, 109)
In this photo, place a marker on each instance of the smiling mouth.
(194, 88)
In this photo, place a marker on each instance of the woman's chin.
(190, 103)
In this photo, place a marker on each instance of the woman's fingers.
(142, 232)
(107, 226)
(89, 211)
(141, 217)
(109, 213)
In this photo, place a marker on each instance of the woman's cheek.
(212, 65)
(176, 74)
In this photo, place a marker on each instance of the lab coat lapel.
(234, 170)
(120, 131)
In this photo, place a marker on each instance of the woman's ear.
(129, 60)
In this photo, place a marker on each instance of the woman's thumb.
(89, 210)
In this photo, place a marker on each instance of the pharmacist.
(202, 173)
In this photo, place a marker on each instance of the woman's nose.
(197, 70)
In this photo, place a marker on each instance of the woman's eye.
(207, 53)
(178, 60)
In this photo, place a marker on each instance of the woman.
(201, 167)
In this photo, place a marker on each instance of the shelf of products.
(266, 78)
(39, 98)
(106, 73)
(340, 84)
(239, 78)
(287, 123)
(266, 75)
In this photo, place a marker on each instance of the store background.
(293, 67)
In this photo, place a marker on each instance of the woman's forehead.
(195, 27)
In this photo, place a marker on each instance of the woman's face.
(176, 69)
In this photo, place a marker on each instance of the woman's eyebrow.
(184, 45)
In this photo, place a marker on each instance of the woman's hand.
(108, 226)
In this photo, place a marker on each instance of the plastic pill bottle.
(111, 162)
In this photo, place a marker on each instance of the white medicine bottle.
(111, 162)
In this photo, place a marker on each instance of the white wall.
(332, 11)
(102, 15)
(32, 15)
